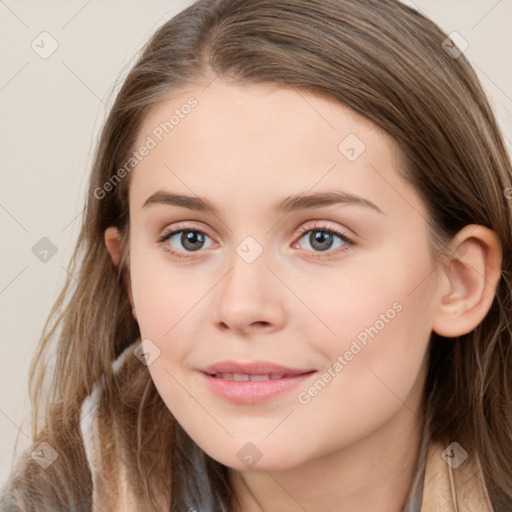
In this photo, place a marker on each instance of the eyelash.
(329, 254)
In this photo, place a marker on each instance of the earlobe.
(470, 280)
(113, 244)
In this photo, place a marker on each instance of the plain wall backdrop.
(52, 107)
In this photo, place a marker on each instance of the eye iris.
(321, 240)
(189, 238)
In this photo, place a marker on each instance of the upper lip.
(253, 368)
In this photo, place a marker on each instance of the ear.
(468, 281)
(113, 243)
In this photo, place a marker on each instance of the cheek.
(375, 325)
(172, 311)
(375, 365)
(164, 295)
(346, 303)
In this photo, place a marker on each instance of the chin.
(252, 456)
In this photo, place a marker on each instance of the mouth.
(253, 383)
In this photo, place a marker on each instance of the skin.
(244, 148)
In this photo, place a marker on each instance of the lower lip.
(253, 392)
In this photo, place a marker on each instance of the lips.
(251, 383)
(225, 369)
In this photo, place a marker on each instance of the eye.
(324, 239)
(183, 239)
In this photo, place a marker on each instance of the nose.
(250, 298)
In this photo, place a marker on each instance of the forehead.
(257, 110)
(246, 143)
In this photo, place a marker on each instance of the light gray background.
(51, 112)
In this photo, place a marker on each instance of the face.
(338, 288)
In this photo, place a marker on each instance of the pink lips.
(250, 383)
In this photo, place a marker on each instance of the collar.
(453, 481)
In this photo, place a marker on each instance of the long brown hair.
(388, 63)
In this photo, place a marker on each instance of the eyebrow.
(289, 204)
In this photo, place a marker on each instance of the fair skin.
(245, 148)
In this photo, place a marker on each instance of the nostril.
(260, 324)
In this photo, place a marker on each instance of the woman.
(294, 277)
